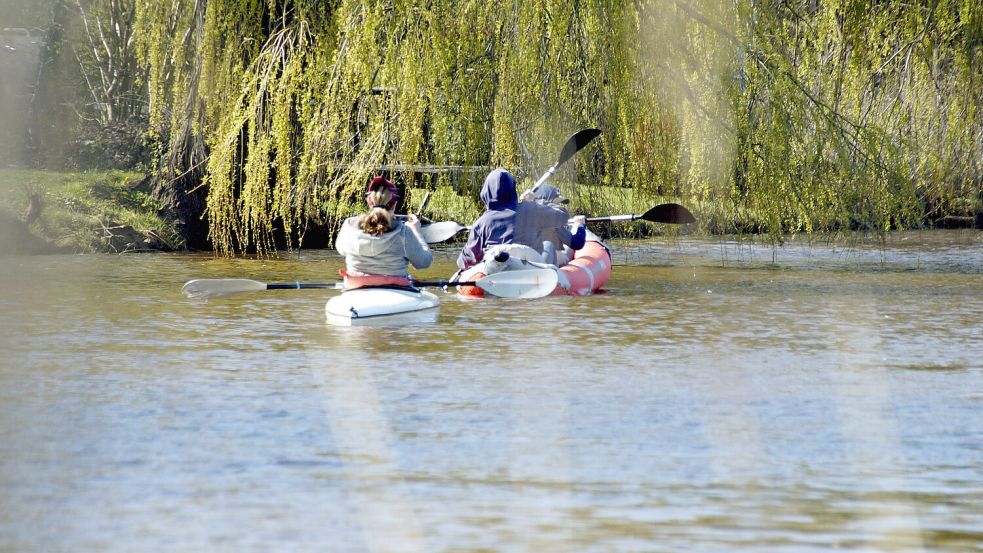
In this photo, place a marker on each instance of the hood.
(498, 192)
(368, 245)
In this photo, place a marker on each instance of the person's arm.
(472, 253)
(574, 236)
(563, 236)
(551, 216)
(415, 246)
(346, 237)
(578, 238)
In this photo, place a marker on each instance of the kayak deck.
(381, 305)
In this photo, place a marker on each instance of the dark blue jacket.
(497, 224)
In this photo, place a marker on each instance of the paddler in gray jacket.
(377, 245)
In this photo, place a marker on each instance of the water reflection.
(708, 402)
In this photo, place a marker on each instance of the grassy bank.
(114, 212)
(108, 211)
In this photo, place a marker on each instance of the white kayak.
(380, 305)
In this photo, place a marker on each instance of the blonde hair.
(378, 220)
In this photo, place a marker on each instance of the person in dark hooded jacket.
(497, 225)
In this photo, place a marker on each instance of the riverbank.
(63, 212)
(117, 212)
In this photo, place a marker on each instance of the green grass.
(446, 205)
(88, 212)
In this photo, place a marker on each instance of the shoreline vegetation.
(100, 211)
(246, 127)
(116, 212)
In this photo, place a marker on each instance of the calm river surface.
(720, 397)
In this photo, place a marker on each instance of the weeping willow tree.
(868, 114)
(779, 116)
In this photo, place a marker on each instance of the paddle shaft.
(421, 283)
(548, 174)
(443, 283)
(339, 285)
(573, 145)
(614, 218)
(300, 285)
(423, 205)
(531, 283)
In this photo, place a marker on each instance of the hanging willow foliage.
(783, 117)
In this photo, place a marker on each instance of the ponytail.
(381, 197)
(377, 222)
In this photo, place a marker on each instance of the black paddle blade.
(674, 214)
(576, 143)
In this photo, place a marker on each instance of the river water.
(721, 396)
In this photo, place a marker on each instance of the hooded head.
(549, 194)
(498, 192)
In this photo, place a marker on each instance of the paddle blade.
(527, 283)
(576, 143)
(674, 214)
(217, 287)
(438, 232)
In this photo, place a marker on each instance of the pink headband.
(375, 184)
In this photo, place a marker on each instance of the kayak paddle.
(435, 232)
(423, 205)
(573, 145)
(525, 283)
(438, 232)
(218, 287)
(532, 283)
(673, 214)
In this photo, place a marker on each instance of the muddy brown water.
(720, 396)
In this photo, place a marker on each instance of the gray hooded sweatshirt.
(387, 254)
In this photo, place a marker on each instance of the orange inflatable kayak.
(585, 274)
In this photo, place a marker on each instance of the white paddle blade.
(438, 232)
(527, 283)
(217, 287)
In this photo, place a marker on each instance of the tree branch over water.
(788, 116)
